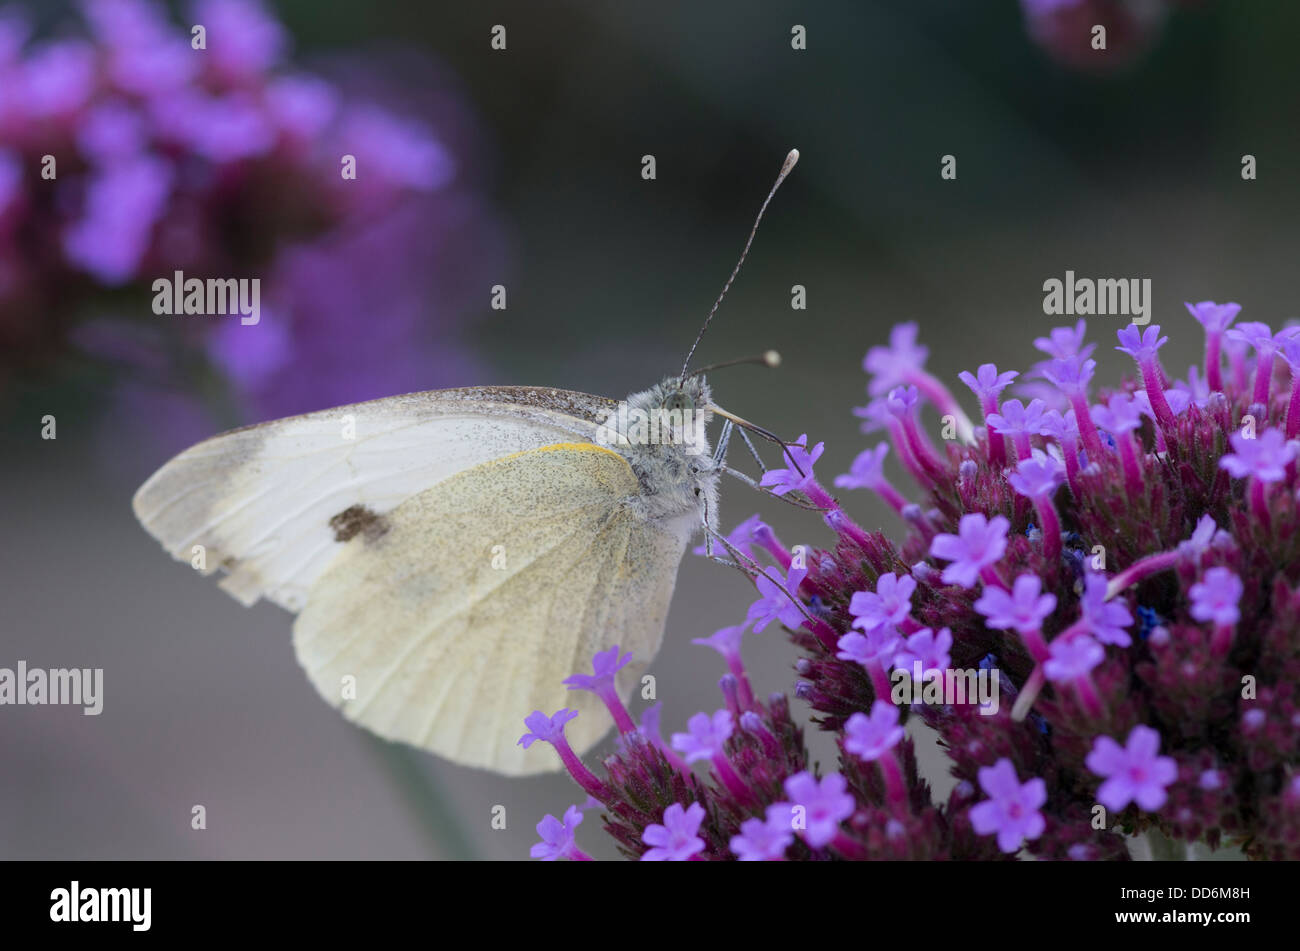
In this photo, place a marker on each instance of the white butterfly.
(453, 555)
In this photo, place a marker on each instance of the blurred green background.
(1133, 172)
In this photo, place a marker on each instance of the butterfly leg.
(759, 488)
(724, 440)
(753, 452)
(740, 561)
(738, 558)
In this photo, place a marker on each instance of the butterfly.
(453, 555)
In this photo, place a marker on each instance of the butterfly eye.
(679, 401)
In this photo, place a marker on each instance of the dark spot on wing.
(358, 520)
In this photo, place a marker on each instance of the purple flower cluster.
(1127, 570)
(133, 146)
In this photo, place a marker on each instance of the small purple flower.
(890, 365)
(871, 737)
(1011, 810)
(1258, 335)
(706, 735)
(986, 383)
(1068, 373)
(867, 471)
(606, 665)
(1065, 342)
(774, 604)
(1216, 597)
(875, 415)
(1023, 610)
(979, 543)
(1196, 388)
(1264, 458)
(825, 805)
(764, 840)
(544, 728)
(1073, 657)
(676, 840)
(1121, 415)
(1016, 419)
(1105, 620)
(726, 641)
(1037, 477)
(889, 604)
(1138, 344)
(1198, 543)
(557, 837)
(1215, 318)
(781, 481)
(877, 646)
(928, 649)
(1060, 426)
(1133, 772)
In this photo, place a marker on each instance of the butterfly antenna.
(785, 170)
(768, 358)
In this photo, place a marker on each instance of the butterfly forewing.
(272, 504)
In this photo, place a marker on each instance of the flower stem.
(1263, 377)
(1151, 379)
(1293, 410)
(1259, 501)
(1213, 372)
(1051, 527)
(1140, 571)
(581, 775)
(1020, 709)
(1132, 470)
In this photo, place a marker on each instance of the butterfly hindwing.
(482, 594)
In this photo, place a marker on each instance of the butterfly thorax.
(661, 432)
